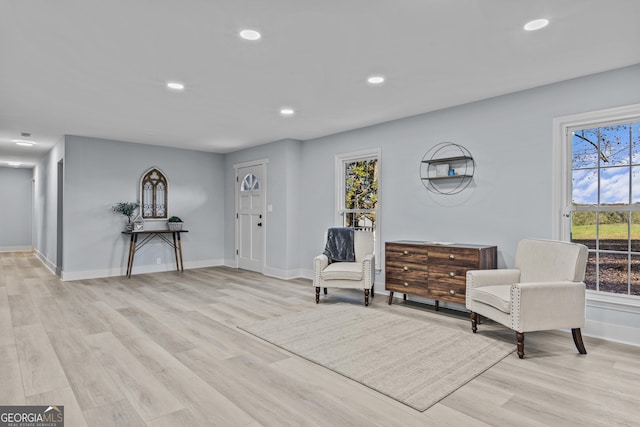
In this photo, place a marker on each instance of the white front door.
(250, 221)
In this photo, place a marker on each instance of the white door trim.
(263, 163)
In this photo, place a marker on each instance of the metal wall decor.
(154, 192)
(447, 168)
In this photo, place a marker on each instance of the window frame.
(340, 209)
(561, 206)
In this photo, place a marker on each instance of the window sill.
(625, 303)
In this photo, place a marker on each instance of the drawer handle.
(452, 274)
(452, 292)
(452, 256)
(405, 268)
(405, 252)
(406, 284)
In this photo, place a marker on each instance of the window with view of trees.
(357, 191)
(606, 204)
(360, 193)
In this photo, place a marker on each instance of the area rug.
(412, 360)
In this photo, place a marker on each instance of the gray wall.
(100, 173)
(45, 205)
(16, 211)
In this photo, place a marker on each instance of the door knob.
(259, 224)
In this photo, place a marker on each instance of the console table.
(434, 271)
(176, 244)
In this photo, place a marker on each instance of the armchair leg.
(366, 297)
(325, 291)
(373, 294)
(577, 340)
(317, 294)
(520, 339)
(474, 321)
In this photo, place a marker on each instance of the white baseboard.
(612, 332)
(282, 274)
(49, 265)
(24, 248)
(137, 269)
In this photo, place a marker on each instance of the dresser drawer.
(448, 292)
(467, 258)
(406, 254)
(413, 287)
(453, 274)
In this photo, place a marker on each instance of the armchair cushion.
(343, 271)
(498, 296)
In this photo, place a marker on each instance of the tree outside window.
(606, 204)
(360, 193)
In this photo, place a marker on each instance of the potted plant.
(174, 223)
(127, 209)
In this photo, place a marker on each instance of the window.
(154, 191)
(357, 191)
(606, 204)
(599, 193)
(250, 182)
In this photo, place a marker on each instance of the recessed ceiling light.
(175, 86)
(23, 142)
(536, 24)
(250, 35)
(14, 163)
(375, 80)
(287, 111)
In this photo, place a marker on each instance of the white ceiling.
(99, 68)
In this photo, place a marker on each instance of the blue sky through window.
(609, 156)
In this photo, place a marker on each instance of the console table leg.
(132, 251)
(175, 249)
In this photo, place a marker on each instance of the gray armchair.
(359, 274)
(544, 291)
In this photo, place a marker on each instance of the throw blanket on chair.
(339, 246)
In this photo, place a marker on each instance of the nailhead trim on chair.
(515, 308)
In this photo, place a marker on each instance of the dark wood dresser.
(434, 271)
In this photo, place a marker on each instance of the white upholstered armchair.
(359, 274)
(544, 291)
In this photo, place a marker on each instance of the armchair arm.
(319, 263)
(537, 306)
(479, 278)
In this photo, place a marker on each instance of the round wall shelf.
(447, 168)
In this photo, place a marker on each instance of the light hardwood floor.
(164, 350)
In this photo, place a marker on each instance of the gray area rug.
(411, 360)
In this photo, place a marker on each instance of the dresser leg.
(437, 305)
(404, 297)
(390, 297)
